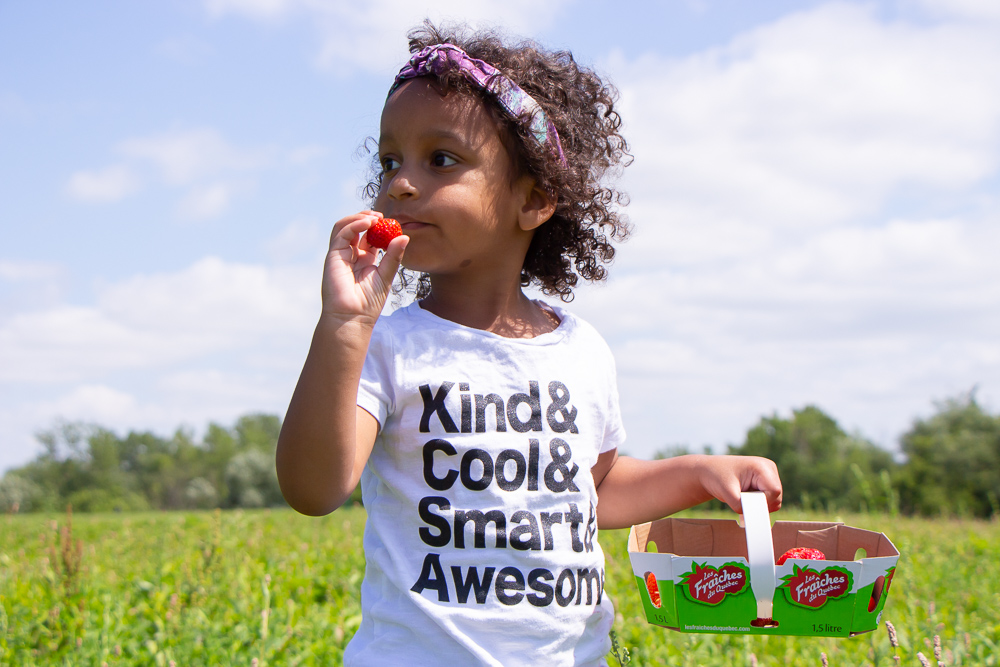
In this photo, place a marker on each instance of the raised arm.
(632, 491)
(325, 438)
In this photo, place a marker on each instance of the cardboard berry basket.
(712, 575)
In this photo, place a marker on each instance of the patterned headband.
(440, 58)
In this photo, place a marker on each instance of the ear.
(538, 207)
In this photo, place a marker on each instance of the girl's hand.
(355, 284)
(725, 477)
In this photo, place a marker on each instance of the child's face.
(449, 181)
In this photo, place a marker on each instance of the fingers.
(770, 483)
(392, 258)
(736, 474)
(347, 231)
(347, 236)
(729, 493)
(355, 281)
(761, 474)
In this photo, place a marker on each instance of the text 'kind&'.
(559, 416)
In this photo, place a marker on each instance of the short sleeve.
(375, 394)
(614, 430)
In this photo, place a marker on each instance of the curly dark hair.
(576, 241)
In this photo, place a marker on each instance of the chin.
(417, 261)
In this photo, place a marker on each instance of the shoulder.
(398, 324)
(578, 330)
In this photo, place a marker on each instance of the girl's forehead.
(430, 89)
(422, 100)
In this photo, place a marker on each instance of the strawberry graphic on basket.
(812, 588)
(710, 585)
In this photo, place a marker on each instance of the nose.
(402, 185)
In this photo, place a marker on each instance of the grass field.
(275, 588)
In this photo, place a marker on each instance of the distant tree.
(252, 481)
(953, 461)
(257, 431)
(819, 463)
(670, 452)
(96, 499)
(201, 494)
(18, 494)
(93, 469)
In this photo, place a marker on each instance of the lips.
(407, 223)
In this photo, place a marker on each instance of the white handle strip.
(760, 551)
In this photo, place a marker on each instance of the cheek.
(381, 199)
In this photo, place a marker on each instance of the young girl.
(483, 426)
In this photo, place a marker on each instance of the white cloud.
(258, 9)
(299, 239)
(110, 184)
(209, 342)
(370, 36)
(813, 120)
(233, 391)
(210, 169)
(815, 210)
(978, 10)
(186, 156)
(93, 403)
(26, 284)
(28, 271)
(203, 203)
(159, 321)
(239, 302)
(71, 343)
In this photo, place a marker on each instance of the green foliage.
(107, 500)
(251, 479)
(192, 588)
(19, 494)
(231, 587)
(820, 464)
(94, 470)
(953, 461)
(951, 466)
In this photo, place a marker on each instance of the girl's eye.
(389, 164)
(442, 160)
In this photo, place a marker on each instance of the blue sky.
(814, 193)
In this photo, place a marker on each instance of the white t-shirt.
(481, 534)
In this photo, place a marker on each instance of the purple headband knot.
(520, 106)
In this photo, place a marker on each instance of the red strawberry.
(802, 552)
(383, 231)
(654, 590)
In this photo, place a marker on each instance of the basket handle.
(760, 551)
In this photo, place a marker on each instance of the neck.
(505, 311)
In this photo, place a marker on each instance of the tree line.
(949, 463)
(95, 470)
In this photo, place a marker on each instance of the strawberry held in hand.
(802, 552)
(382, 231)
